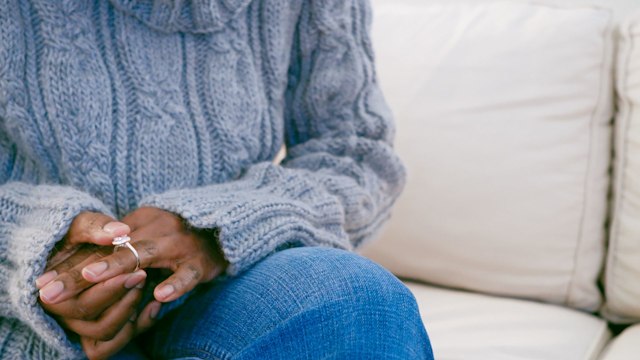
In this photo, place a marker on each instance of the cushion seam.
(615, 229)
(608, 47)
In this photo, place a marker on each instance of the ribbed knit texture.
(182, 105)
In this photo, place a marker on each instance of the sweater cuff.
(268, 208)
(41, 216)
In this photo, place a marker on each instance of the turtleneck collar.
(195, 16)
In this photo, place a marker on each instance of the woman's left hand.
(163, 240)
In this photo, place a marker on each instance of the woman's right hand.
(102, 314)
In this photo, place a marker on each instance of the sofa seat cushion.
(465, 325)
(625, 346)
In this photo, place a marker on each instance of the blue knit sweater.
(109, 105)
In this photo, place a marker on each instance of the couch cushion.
(625, 346)
(503, 113)
(471, 326)
(622, 277)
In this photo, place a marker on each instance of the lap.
(293, 304)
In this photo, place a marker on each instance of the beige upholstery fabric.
(476, 327)
(622, 280)
(625, 346)
(503, 114)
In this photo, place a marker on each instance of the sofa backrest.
(619, 8)
(503, 112)
(622, 273)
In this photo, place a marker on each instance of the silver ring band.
(124, 242)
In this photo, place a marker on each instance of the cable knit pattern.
(110, 105)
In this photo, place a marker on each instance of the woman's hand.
(162, 240)
(103, 309)
(63, 279)
(103, 314)
(96, 349)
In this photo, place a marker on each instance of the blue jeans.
(301, 303)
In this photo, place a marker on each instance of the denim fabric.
(301, 303)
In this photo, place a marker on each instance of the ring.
(124, 242)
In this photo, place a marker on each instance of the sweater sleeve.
(32, 219)
(340, 177)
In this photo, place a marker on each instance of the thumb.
(95, 228)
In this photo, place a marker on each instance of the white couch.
(519, 121)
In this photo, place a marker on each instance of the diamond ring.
(124, 242)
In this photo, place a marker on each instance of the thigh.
(302, 303)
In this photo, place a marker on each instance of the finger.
(68, 280)
(85, 254)
(61, 253)
(147, 317)
(99, 350)
(95, 228)
(183, 280)
(110, 322)
(91, 303)
(150, 251)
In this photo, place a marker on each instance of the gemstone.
(120, 240)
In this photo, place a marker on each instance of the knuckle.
(82, 312)
(193, 273)
(75, 274)
(107, 332)
(119, 260)
(175, 265)
(87, 219)
(149, 248)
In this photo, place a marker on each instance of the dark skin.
(92, 291)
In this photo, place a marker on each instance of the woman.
(152, 125)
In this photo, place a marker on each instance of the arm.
(341, 175)
(32, 219)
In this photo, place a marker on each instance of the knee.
(326, 274)
(341, 294)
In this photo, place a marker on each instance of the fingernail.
(116, 228)
(155, 308)
(45, 278)
(133, 317)
(51, 291)
(135, 279)
(165, 291)
(96, 269)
